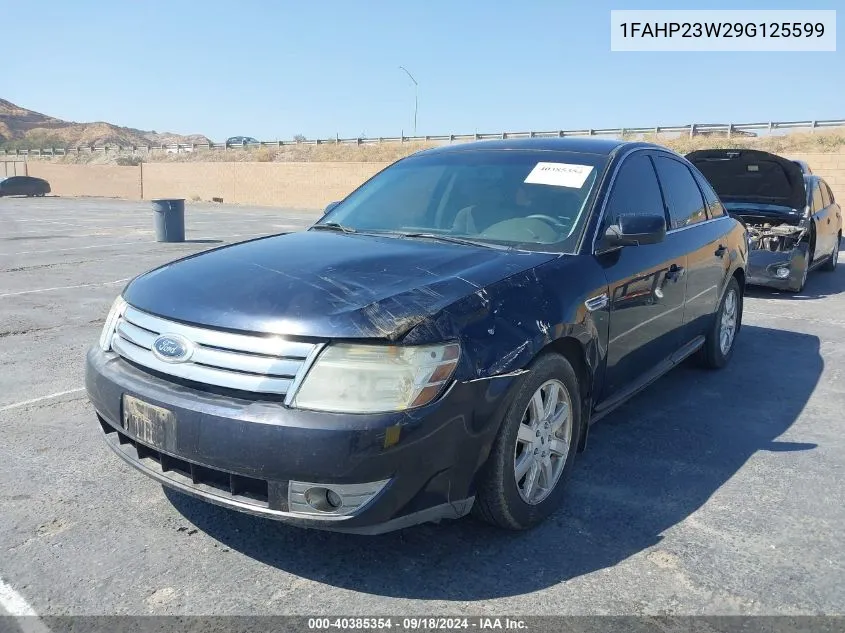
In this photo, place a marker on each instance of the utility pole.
(416, 96)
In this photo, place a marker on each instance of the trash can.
(169, 217)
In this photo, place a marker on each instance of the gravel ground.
(710, 493)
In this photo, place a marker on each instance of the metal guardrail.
(692, 130)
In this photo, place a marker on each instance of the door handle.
(720, 252)
(674, 273)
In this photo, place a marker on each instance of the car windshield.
(530, 200)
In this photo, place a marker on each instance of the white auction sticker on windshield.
(559, 175)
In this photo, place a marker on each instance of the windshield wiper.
(333, 226)
(451, 239)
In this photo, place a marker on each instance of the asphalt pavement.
(710, 493)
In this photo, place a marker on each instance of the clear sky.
(320, 67)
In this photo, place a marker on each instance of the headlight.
(115, 313)
(353, 378)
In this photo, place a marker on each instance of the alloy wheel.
(543, 442)
(727, 326)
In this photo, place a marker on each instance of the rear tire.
(522, 481)
(719, 343)
(830, 264)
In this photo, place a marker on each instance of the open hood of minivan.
(752, 176)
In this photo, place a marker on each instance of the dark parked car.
(24, 186)
(440, 341)
(240, 140)
(794, 224)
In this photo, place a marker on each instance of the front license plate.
(149, 424)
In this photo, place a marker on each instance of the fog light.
(323, 499)
(782, 273)
(318, 500)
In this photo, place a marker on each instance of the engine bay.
(773, 235)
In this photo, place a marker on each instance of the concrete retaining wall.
(303, 185)
(102, 181)
(298, 185)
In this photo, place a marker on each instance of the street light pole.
(416, 98)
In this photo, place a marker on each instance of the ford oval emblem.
(172, 348)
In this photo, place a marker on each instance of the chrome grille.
(260, 364)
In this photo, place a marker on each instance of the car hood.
(316, 283)
(752, 176)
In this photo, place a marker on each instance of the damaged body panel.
(779, 244)
(468, 307)
(792, 220)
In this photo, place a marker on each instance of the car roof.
(566, 144)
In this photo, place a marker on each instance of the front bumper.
(242, 453)
(762, 264)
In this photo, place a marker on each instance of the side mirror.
(635, 230)
(330, 206)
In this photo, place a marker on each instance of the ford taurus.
(439, 342)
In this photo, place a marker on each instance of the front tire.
(522, 482)
(830, 264)
(719, 343)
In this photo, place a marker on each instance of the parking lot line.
(13, 602)
(76, 248)
(75, 228)
(147, 242)
(29, 292)
(23, 403)
(43, 220)
(16, 606)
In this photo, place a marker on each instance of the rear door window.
(714, 205)
(683, 197)
(825, 197)
(817, 204)
(828, 192)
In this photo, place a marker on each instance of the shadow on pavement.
(648, 467)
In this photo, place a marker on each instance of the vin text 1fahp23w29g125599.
(439, 342)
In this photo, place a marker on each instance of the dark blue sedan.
(438, 343)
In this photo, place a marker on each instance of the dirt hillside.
(21, 129)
